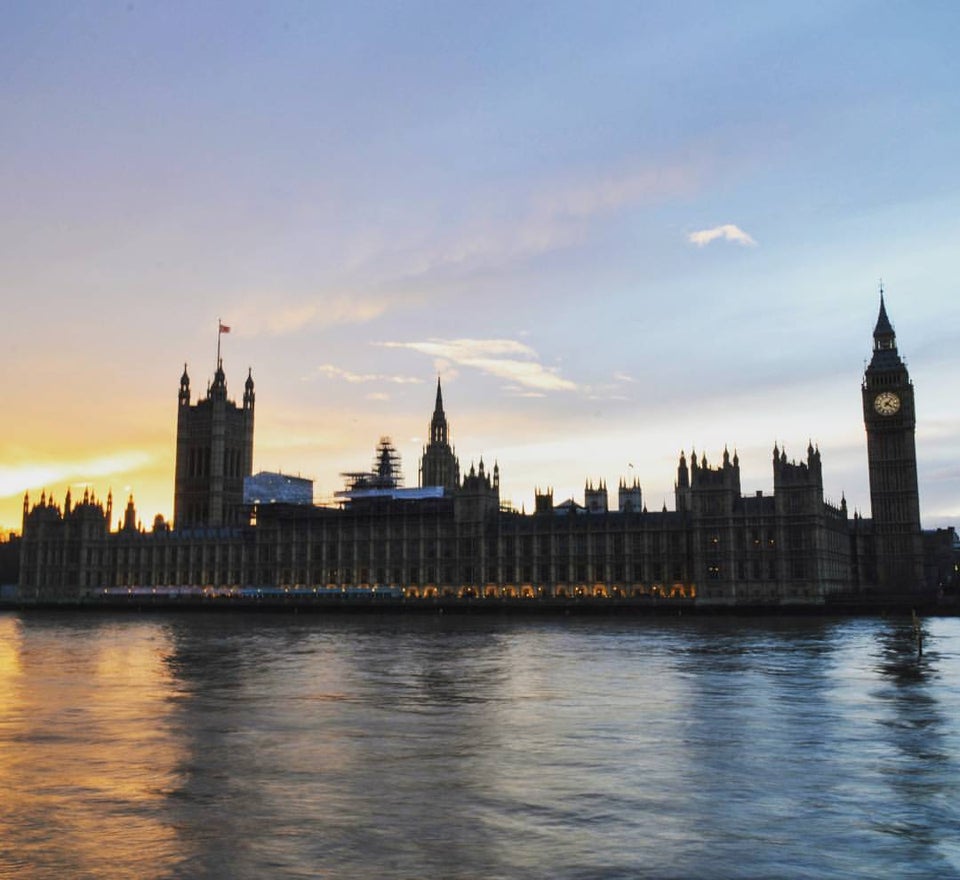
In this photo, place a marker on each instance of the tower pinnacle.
(439, 466)
(883, 335)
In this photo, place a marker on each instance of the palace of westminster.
(451, 536)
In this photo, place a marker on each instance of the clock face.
(886, 403)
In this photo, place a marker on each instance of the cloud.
(504, 358)
(614, 191)
(517, 391)
(17, 479)
(727, 231)
(280, 320)
(333, 372)
(552, 216)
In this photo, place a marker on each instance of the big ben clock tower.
(890, 420)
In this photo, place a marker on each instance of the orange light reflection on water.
(85, 766)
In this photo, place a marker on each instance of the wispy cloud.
(518, 391)
(333, 372)
(555, 215)
(282, 320)
(16, 479)
(727, 232)
(613, 191)
(504, 358)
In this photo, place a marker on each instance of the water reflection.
(242, 747)
(84, 757)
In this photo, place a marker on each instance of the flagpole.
(219, 334)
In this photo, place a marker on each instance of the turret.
(248, 395)
(543, 501)
(629, 498)
(596, 499)
(184, 388)
(130, 516)
(218, 390)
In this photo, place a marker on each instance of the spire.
(248, 395)
(184, 388)
(438, 424)
(439, 465)
(883, 335)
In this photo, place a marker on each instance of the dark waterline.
(251, 746)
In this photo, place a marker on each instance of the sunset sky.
(616, 230)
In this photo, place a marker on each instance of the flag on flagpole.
(224, 328)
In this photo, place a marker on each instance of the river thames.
(244, 746)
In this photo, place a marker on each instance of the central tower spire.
(439, 465)
(438, 424)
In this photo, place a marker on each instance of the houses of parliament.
(451, 537)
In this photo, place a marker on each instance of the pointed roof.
(884, 327)
(885, 356)
(219, 378)
(439, 405)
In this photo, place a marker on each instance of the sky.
(615, 230)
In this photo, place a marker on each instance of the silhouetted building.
(890, 419)
(214, 454)
(452, 535)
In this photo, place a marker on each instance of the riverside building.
(451, 536)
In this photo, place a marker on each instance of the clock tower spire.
(890, 420)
